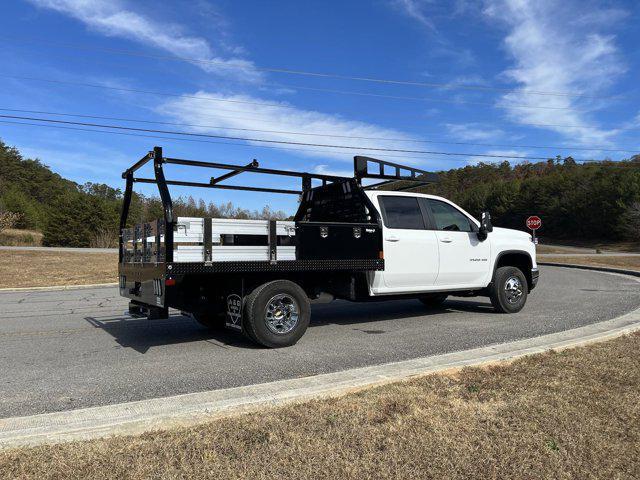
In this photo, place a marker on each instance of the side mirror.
(485, 226)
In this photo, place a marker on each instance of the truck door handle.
(392, 238)
(446, 240)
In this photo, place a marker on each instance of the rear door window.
(401, 212)
(449, 218)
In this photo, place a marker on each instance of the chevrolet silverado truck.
(347, 241)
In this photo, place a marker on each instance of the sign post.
(534, 223)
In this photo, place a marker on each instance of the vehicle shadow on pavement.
(348, 313)
(140, 334)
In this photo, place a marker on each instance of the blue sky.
(506, 74)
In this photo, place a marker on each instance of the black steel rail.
(181, 183)
(361, 170)
(386, 171)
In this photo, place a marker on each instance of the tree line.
(72, 215)
(590, 201)
(594, 201)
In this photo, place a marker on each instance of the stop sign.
(534, 222)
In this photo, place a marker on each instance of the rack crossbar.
(180, 183)
(250, 168)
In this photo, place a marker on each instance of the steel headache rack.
(336, 228)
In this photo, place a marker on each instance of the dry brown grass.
(628, 263)
(546, 249)
(570, 414)
(23, 268)
(579, 246)
(20, 238)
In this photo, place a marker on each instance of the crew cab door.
(410, 249)
(464, 260)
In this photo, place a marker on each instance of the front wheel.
(276, 314)
(509, 290)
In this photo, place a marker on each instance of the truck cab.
(430, 244)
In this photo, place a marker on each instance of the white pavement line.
(189, 409)
(58, 287)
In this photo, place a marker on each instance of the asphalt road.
(68, 349)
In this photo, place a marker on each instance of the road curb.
(58, 287)
(195, 408)
(634, 273)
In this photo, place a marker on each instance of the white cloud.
(327, 170)
(112, 18)
(427, 13)
(280, 120)
(473, 131)
(559, 48)
(69, 159)
(470, 79)
(416, 10)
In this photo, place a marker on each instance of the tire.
(276, 314)
(509, 290)
(433, 300)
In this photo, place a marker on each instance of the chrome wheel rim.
(513, 290)
(281, 314)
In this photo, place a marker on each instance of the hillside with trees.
(594, 201)
(32, 197)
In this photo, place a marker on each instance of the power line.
(315, 134)
(425, 99)
(271, 147)
(610, 164)
(452, 85)
(279, 142)
(150, 92)
(278, 105)
(544, 125)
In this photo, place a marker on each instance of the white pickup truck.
(346, 241)
(432, 245)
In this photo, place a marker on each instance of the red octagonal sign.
(534, 222)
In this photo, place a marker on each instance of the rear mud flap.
(233, 317)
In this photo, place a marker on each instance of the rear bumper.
(143, 283)
(535, 275)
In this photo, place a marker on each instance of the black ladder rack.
(390, 172)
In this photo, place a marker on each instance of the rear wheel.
(433, 300)
(276, 314)
(509, 291)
